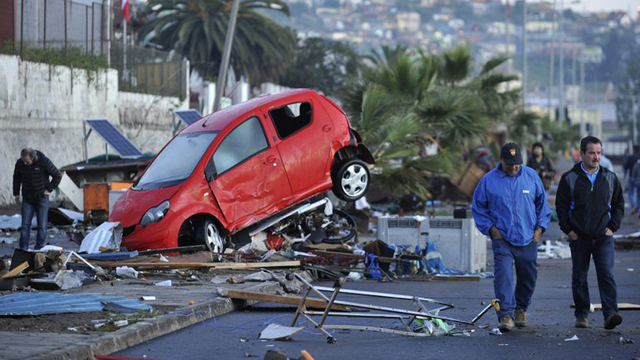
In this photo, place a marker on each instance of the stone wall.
(43, 107)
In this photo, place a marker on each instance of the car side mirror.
(210, 171)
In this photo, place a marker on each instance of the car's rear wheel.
(208, 233)
(351, 181)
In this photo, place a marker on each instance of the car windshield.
(176, 162)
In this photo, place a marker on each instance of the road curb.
(152, 328)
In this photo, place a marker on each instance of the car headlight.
(155, 214)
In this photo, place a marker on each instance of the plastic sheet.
(107, 235)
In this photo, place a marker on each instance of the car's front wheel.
(208, 233)
(351, 180)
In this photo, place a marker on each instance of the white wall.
(43, 106)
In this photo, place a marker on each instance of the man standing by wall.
(590, 208)
(510, 206)
(33, 172)
(628, 165)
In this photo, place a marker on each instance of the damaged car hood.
(131, 206)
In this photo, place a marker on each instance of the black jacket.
(34, 178)
(588, 210)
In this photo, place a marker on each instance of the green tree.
(262, 49)
(322, 65)
(408, 101)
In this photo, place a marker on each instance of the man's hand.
(17, 198)
(495, 233)
(573, 236)
(46, 193)
(536, 235)
(608, 232)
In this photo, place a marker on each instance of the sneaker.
(521, 318)
(582, 322)
(506, 323)
(612, 321)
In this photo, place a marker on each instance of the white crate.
(405, 230)
(460, 243)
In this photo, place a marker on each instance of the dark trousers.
(602, 251)
(514, 292)
(41, 209)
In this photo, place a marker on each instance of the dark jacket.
(545, 166)
(630, 162)
(34, 178)
(588, 210)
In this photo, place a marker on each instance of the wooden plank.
(456, 277)
(621, 306)
(191, 265)
(17, 270)
(310, 303)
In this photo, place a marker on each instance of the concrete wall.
(43, 107)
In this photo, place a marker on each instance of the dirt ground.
(79, 322)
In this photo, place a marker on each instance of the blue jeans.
(41, 209)
(514, 292)
(602, 250)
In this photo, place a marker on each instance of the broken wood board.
(192, 265)
(15, 271)
(310, 303)
(456, 277)
(621, 306)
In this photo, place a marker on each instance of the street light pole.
(552, 61)
(226, 55)
(561, 72)
(524, 54)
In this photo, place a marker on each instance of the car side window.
(246, 140)
(291, 118)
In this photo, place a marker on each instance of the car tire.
(351, 180)
(208, 234)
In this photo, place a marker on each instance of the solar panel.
(114, 138)
(188, 116)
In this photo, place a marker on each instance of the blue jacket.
(516, 205)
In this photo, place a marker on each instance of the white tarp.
(14, 222)
(107, 235)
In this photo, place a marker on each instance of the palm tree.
(406, 102)
(261, 48)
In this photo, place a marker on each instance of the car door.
(304, 135)
(250, 178)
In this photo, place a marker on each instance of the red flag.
(125, 10)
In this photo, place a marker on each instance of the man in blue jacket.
(510, 206)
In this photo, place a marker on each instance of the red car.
(240, 165)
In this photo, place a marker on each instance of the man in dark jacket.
(590, 207)
(38, 177)
(632, 186)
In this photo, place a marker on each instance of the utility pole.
(524, 54)
(561, 72)
(583, 125)
(552, 61)
(507, 18)
(226, 55)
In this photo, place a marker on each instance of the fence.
(66, 28)
(150, 71)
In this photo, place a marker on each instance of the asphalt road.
(235, 336)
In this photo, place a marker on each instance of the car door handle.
(271, 160)
(327, 128)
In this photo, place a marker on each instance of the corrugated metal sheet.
(41, 303)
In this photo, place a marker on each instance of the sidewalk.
(172, 302)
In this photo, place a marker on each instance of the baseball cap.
(510, 154)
